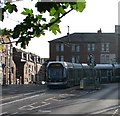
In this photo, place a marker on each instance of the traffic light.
(91, 61)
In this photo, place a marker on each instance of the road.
(64, 101)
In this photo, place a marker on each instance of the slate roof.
(86, 37)
(19, 51)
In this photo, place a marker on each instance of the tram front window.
(55, 72)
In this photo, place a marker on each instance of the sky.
(97, 14)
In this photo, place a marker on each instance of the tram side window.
(76, 73)
(71, 73)
(64, 73)
(117, 72)
(103, 73)
(84, 73)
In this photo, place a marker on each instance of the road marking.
(106, 110)
(30, 105)
(44, 102)
(45, 111)
(23, 95)
(3, 113)
(15, 113)
(38, 106)
(19, 100)
(115, 112)
(49, 98)
(58, 99)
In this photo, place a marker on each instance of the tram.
(66, 74)
(108, 73)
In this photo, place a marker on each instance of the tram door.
(109, 75)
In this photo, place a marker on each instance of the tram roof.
(83, 65)
(66, 64)
(104, 66)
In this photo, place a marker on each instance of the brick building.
(29, 68)
(26, 66)
(77, 47)
(9, 68)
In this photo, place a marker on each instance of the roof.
(86, 37)
(18, 50)
(21, 51)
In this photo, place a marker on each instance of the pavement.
(21, 88)
(26, 88)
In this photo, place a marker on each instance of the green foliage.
(79, 6)
(27, 11)
(55, 28)
(10, 7)
(35, 25)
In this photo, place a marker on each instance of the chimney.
(99, 31)
(117, 29)
(68, 31)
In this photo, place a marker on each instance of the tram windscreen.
(55, 71)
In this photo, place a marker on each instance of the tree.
(35, 25)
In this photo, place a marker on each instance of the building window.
(26, 70)
(91, 47)
(75, 48)
(77, 59)
(32, 68)
(60, 47)
(23, 55)
(29, 71)
(30, 57)
(57, 47)
(57, 58)
(105, 47)
(73, 59)
(102, 58)
(29, 66)
(62, 58)
(105, 58)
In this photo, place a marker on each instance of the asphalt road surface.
(64, 101)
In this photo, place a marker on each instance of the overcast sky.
(97, 14)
